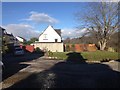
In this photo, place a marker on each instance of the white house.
(50, 35)
(20, 39)
(51, 40)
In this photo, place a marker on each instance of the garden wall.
(80, 47)
(54, 47)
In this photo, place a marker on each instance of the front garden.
(89, 56)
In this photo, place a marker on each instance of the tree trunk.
(102, 44)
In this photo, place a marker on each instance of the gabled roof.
(2, 28)
(22, 38)
(57, 30)
(9, 35)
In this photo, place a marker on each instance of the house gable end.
(50, 33)
(58, 31)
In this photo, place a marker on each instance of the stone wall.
(54, 47)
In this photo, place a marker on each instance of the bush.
(73, 47)
(38, 50)
(67, 48)
(50, 53)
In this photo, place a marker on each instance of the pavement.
(33, 71)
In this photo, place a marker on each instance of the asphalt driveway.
(41, 73)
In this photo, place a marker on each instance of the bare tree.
(101, 21)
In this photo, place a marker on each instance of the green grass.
(60, 55)
(99, 55)
(96, 56)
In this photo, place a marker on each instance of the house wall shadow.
(12, 63)
(72, 74)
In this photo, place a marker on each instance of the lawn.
(94, 56)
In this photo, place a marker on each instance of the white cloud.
(41, 18)
(72, 33)
(24, 30)
(27, 31)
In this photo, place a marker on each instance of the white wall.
(50, 46)
(49, 35)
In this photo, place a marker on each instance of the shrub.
(73, 47)
(67, 48)
(37, 50)
(50, 53)
(111, 49)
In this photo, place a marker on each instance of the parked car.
(19, 51)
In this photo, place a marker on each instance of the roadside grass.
(90, 56)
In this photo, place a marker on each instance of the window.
(56, 40)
